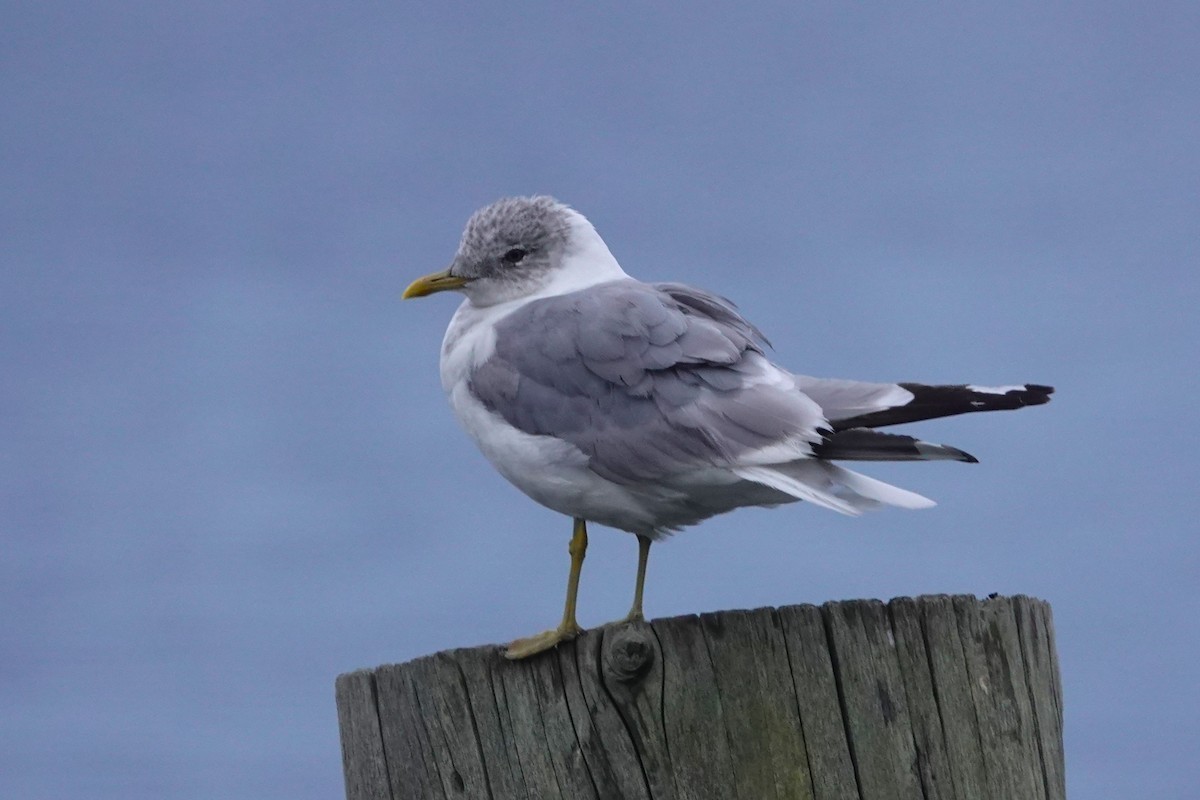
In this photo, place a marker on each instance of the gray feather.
(843, 399)
(646, 380)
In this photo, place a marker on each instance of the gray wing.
(646, 380)
(845, 399)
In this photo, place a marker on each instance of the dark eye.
(515, 255)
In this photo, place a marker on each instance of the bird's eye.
(515, 255)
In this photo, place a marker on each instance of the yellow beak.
(434, 282)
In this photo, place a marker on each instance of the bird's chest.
(524, 459)
(553, 472)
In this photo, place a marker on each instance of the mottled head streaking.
(510, 247)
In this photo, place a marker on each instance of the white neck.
(586, 262)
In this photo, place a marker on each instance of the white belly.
(553, 472)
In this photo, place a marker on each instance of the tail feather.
(817, 492)
(880, 492)
(833, 487)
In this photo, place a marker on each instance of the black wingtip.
(1036, 394)
(960, 455)
(932, 401)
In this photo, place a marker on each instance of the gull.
(648, 407)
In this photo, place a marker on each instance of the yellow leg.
(567, 629)
(635, 613)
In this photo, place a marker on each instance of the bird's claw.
(532, 645)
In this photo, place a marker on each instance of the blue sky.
(229, 473)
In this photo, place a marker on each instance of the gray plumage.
(648, 380)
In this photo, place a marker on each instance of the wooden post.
(934, 697)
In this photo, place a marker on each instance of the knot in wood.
(627, 654)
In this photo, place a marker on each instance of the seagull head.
(520, 247)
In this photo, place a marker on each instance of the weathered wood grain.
(362, 742)
(933, 761)
(827, 748)
(931, 698)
